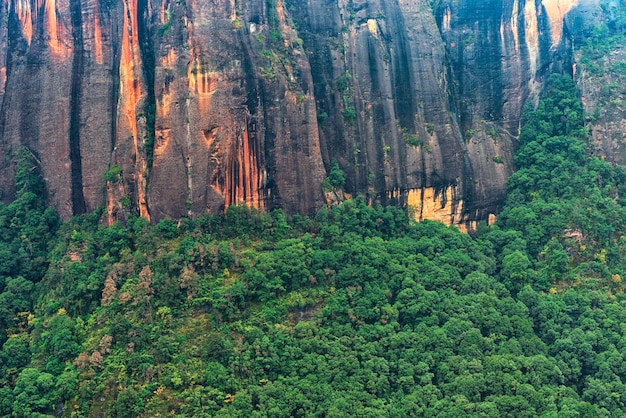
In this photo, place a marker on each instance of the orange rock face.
(132, 102)
(172, 109)
(557, 11)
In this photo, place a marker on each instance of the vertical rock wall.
(601, 77)
(172, 109)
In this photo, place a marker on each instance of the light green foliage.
(268, 72)
(34, 394)
(113, 174)
(411, 139)
(430, 128)
(346, 89)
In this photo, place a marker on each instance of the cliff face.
(171, 109)
(601, 75)
(605, 102)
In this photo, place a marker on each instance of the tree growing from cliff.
(336, 178)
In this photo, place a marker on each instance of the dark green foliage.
(128, 404)
(561, 196)
(166, 27)
(336, 178)
(26, 225)
(27, 228)
(57, 339)
(356, 312)
(34, 394)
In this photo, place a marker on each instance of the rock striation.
(175, 108)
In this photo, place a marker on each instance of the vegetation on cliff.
(356, 312)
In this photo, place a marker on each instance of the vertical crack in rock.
(531, 32)
(146, 49)
(115, 91)
(403, 84)
(78, 199)
(132, 133)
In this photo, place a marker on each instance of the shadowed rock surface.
(172, 109)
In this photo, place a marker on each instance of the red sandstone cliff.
(171, 109)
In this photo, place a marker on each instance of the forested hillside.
(355, 312)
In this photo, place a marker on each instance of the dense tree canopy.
(355, 312)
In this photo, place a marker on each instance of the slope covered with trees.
(356, 312)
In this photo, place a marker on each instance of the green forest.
(358, 311)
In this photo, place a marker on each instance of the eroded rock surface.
(172, 109)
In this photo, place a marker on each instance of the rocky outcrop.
(604, 99)
(600, 72)
(172, 109)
